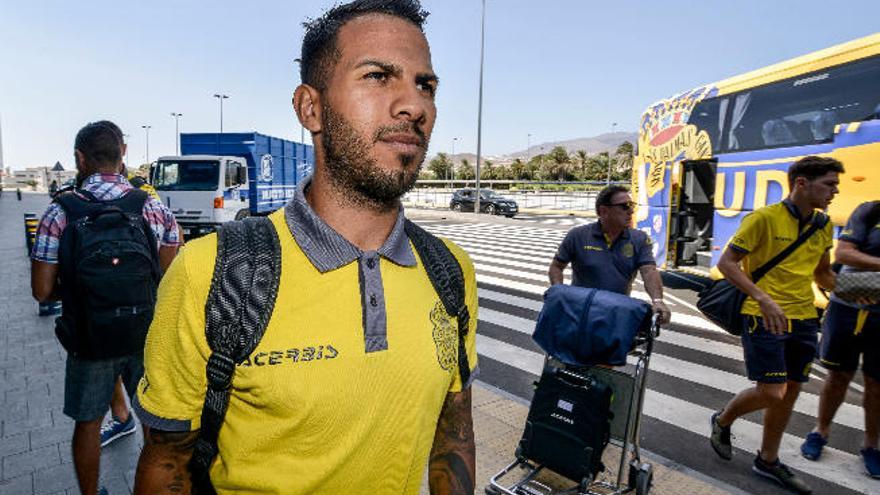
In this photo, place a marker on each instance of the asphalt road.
(695, 370)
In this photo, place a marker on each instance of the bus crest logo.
(266, 167)
(667, 137)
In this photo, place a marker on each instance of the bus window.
(709, 116)
(804, 110)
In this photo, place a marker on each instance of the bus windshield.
(186, 175)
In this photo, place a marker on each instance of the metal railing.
(440, 197)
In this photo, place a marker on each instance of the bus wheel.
(242, 214)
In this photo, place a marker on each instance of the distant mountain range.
(592, 145)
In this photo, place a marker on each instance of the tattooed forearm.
(163, 465)
(452, 467)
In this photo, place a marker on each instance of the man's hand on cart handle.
(661, 310)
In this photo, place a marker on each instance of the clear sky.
(555, 69)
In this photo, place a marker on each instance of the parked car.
(490, 202)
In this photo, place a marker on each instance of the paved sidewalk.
(35, 436)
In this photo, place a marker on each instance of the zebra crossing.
(549, 219)
(696, 367)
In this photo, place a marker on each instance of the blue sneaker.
(115, 429)
(812, 447)
(871, 456)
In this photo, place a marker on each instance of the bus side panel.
(653, 197)
(858, 148)
(740, 188)
(657, 228)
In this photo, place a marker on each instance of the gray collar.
(326, 248)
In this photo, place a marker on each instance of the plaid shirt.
(105, 187)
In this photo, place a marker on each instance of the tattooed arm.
(164, 463)
(452, 468)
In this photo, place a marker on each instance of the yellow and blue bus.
(709, 156)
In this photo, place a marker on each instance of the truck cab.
(202, 191)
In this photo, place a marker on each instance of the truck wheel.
(242, 214)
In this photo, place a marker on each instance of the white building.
(37, 178)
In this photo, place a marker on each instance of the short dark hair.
(811, 167)
(605, 195)
(100, 143)
(319, 51)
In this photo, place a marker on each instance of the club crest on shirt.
(445, 337)
(628, 250)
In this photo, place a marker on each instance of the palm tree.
(624, 156)
(582, 159)
(560, 163)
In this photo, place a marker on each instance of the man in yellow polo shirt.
(353, 388)
(781, 323)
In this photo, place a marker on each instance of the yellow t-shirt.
(763, 234)
(310, 410)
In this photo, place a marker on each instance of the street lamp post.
(146, 129)
(221, 97)
(528, 148)
(608, 182)
(480, 106)
(177, 117)
(452, 160)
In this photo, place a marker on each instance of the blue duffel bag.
(583, 327)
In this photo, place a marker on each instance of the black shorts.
(774, 358)
(847, 336)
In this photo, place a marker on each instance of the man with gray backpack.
(330, 347)
(100, 248)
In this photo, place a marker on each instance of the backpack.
(109, 272)
(240, 302)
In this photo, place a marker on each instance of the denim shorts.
(774, 358)
(88, 384)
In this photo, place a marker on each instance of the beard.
(354, 172)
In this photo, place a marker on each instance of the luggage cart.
(628, 384)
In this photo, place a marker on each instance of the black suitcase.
(568, 425)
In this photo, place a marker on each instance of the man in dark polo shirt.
(852, 331)
(606, 254)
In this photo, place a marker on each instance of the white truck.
(247, 174)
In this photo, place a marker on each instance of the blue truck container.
(275, 166)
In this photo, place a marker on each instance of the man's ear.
(307, 105)
(80, 158)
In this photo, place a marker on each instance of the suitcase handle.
(575, 380)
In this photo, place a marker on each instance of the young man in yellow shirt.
(781, 324)
(354, 387)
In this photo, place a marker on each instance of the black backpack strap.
(240, 303)
(74, 206)
(133, 201)
(819, 221)
(137, 181)
(446, 276)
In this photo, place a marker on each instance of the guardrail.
(584, 201)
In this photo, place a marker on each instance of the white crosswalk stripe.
(515, 258)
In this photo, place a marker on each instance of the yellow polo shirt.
(311, 411)
(763, 234)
